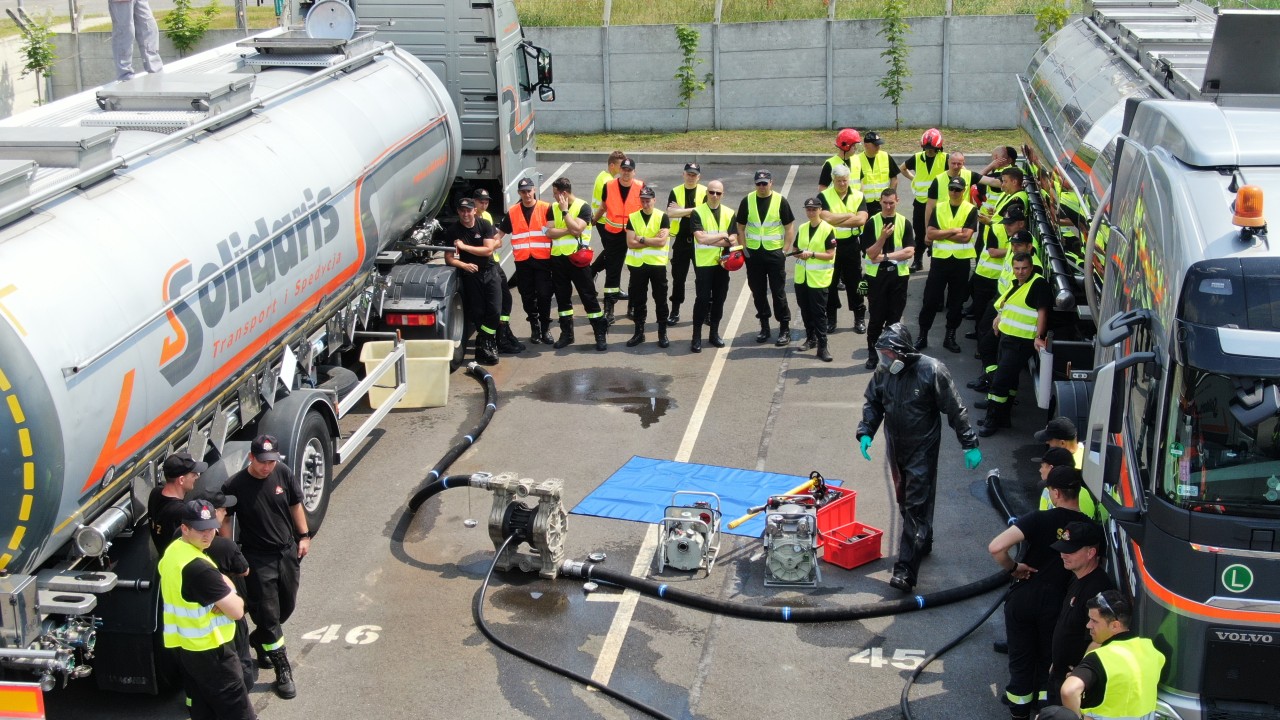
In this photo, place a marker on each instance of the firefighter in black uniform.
(569, 229)
(1040, 584)
(648, 236)
(887, 243)
(845, 210)
(713, 226)
(950, 237)
(907, 393)
(1021, 326)
(475, 242)
(681, 202)
(508, 343)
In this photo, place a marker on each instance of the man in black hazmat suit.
(908, 391)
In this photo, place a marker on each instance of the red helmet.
(732, 261)
(847, 138)
(582, 257)
(931, 138)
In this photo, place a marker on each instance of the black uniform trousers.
(711, 287)
(507, 302)
(681, 259)
(849, 271)
(914, 469)
(214, 683)
(565, 277)
(533, 280)
(918, 226)
(613, 256)
(813, 310)
(1014, 354)
(644, 277)
(767, 277)
(272, 585)
(482, 297)
(946, 287)
(988, 342)
(983, 292)
(1030, 612)
(886, 298)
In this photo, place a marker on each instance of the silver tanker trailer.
(185, 256)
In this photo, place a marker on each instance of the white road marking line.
(559, 171)
(626, 607)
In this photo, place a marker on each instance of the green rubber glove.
(863, 287)
(865, 442)
(972, 458)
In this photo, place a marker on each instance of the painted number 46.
(358, 635)
(902, 659)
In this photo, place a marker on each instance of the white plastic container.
(428, 369)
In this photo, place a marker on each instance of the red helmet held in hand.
(583, 256)
(732, 261)
(847, 138)
(932, 138)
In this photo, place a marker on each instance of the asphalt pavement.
(385, 625)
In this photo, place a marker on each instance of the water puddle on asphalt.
(638, 393)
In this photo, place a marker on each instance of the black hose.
(477, 611)
(434, 482)
(996, 492)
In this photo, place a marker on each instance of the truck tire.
(459, 330)
(336, 378)
(314, 468)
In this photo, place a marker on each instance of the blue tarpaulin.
(641, 491)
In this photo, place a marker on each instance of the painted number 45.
(358, 635)
(902, 659)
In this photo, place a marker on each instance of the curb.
(667, 158)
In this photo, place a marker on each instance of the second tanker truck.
(183, 258)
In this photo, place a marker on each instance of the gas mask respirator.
(891, 362)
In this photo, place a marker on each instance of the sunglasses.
(713, 192)
(1106, 606)
(764, 182)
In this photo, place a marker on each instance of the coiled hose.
(434, 482)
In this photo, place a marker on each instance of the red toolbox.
(850, 545)
(838, 512)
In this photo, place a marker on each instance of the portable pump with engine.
(791, 541)
(689, 538)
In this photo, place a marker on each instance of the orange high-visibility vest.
(529, 239)
(617, 212)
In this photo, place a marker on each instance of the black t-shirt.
(785, 215)
(166, 515)
(202, 584)
(695, 220)
(664, 223)
(910, 164)
(1039, 296)
(825, 179)
(263, 508)
(1094, 676)
(1070, 635)
(685, 233)
(230, 561)
(970, 222)
(474, 236)
(869, 235)
(1043, 528)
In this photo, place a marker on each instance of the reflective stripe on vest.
(767, 232)
(1017, 318)
(926, 172)
(949, 220)
(709, 255)
(616, 211)
(597, 192)
(850, 204)
(814, 272)
(1133, 674)
(647, 255)
(1005, 281)
(989, 267)
(875, 178)
(855, 170)
(187, 625)
(568, 244)
(529, 238)
(699, 197)
(871, 269)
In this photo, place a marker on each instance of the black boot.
(508, 343)
(831, 325)
(784, 335)
(609, 302)
(810, 340)
(922, 342)
(675, 314)
(763, 335)
(949, 342)
(695, 345)
(663, 342)
(860, 320)
(823, 354)
(713, 336)
(546, 332)
(284, 686)
(535, 331)
(486, 349)
(601, 329)
(566, 333)
(264, 662)
(638, 337)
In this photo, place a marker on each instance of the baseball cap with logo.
(1021, 237)
(218, 499)
(872, 137)
(647, 192)
(480, 194)
(179, 464)
(1064, 477)
(1058, 428)
(467, 203)
(199, 515)
(1056, 456)
(265, 448)
(956, 184)
(1011, 214)
(692, 167)
(628, 164)
(813, 202)
(1077, 535)
(763, 176)
(524, 184)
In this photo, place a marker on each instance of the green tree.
(185, 25)
(687, 74)
(894, 30)
(1050, 17)
(37, 48)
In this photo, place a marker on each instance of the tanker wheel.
(315, 468)
(459, 331)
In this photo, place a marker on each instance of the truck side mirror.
(1122, 325)
(544, 69)
(546, 94)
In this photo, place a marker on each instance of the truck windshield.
(1214, 464)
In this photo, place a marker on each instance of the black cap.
(179, 464)
(524, 184)
(1079, 534)
(265, 448)
(647, 192)
(1023, 237)
(1056, 456)
(1013, 213)
(763, 176)
(872, 137)
(467, 203)
(480, 194)
(693, 167)
(956, 184)
(1058, 428)
(813, 202)
(1063, 477)
(218, 499)
(628, 164)
(199, 515)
